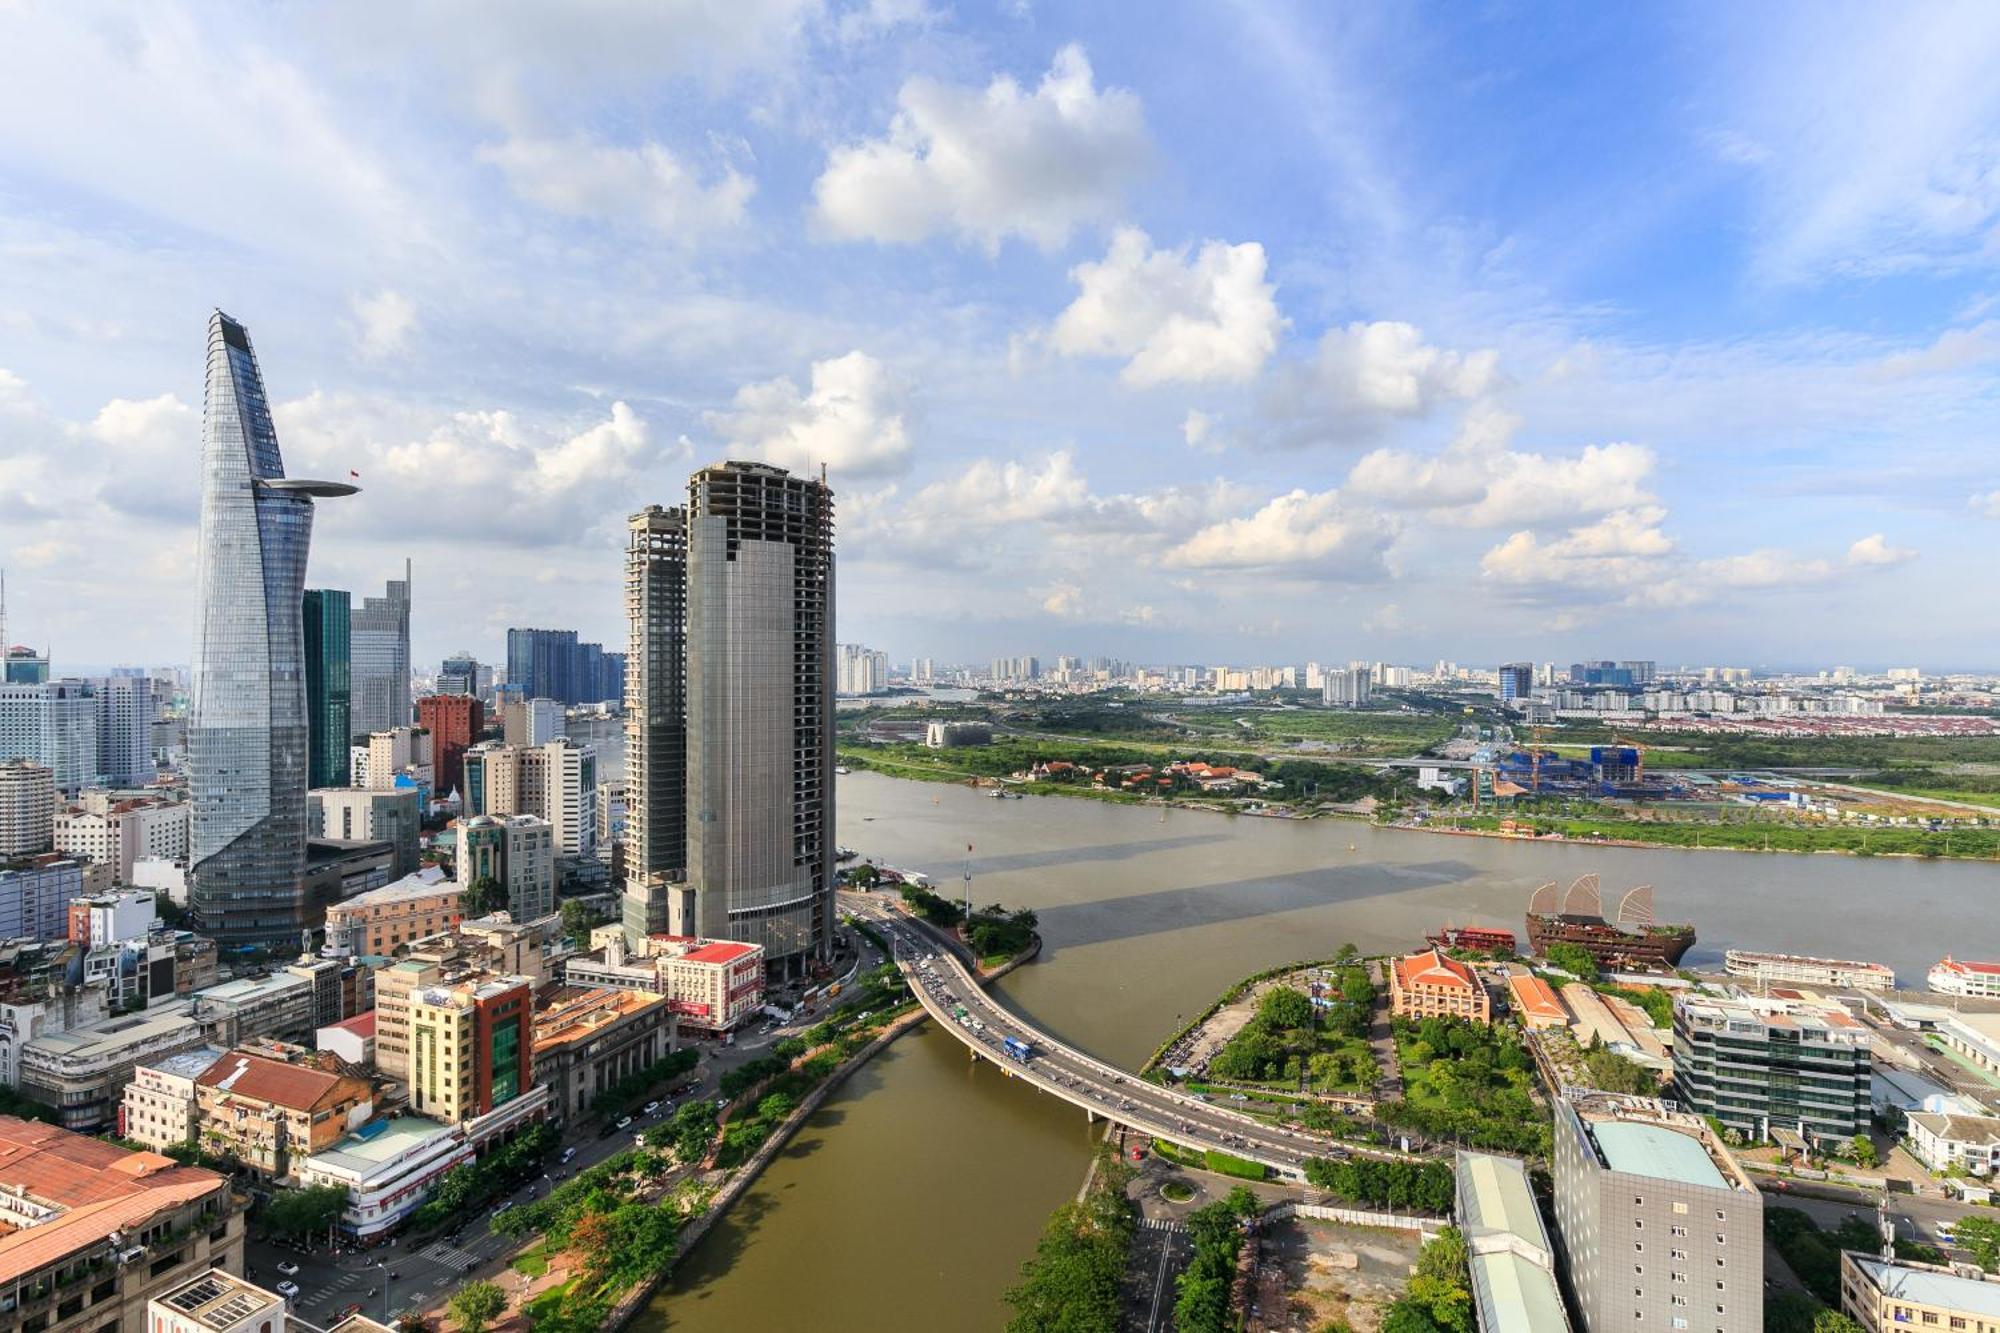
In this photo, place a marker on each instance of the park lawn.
(533, 1261)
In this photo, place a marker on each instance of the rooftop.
(1984, 1129)
(426, 883)
(1926, 1286)
(720, 952)
(361, 1025)
(1747, 1014)
(187, 1064)
(1495, 1196)
(248, 990)
(577, 1012)
(94, 1188)
(381, 1141)
(1534, 996)
(1432, 968)
(1515, 1296)
(294, 1087)
(119, 1035)
(1657, 1152)
(221, 1302)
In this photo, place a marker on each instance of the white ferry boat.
(1792, 969)
(1952, 977)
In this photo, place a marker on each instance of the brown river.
(910, 1201)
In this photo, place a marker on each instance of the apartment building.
(1428, 984)
(385, 922)
(96, 1231)
(516, 851)
(269, 1113)
(1659, 1227)
(159, 1104)
(1766, 1065)
(105, 830)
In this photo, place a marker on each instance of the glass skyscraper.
(329, 702)
(379, 651)
(247, 719)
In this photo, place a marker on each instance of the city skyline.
(1711, 387)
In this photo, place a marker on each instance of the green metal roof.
(1497, 1197)
(1515, 1296)
(1656, 1152)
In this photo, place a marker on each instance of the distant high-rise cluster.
(859, 670)
(247, 718)
(729, 713)
(551, 664)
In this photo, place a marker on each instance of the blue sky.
(1186, 332)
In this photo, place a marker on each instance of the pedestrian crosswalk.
(446, 1255)
(1162, 1224)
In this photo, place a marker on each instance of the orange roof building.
(75, 1202)
(1429, 985)
(271, 1114)
(1535, 1002)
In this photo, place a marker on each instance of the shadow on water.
(1104, 851)
(1131, 916)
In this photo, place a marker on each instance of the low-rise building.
(1430, 985)
(353, 1040)
(159, 1108)
(387, 921)
(712, 985)
(589, 1038)
(282, 1005)
(388, 1168)
(1659, 1226)
(270, 1113)
(1509, 1257)
(1973, 1037)
(96, 1231)
(83, 1073)
(1890, 1297)
(1535, 1003)
(217, 1302)
(1943, 1141)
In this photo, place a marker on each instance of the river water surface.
(910, 1201)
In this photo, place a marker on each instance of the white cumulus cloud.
(647, 185)
(383, 323)
(850, 419)
(1367, 374)
(1299, 530)
(1181, 317)
(989, 163)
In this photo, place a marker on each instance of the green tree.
(304, 1212)
(482, 896)
(693, 1129)
(1862, 1150)
(1572, 958)
(1283, 1008)
(475, 1305)
(1833, 1321)
(579, 919)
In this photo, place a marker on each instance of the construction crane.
(1537, 737)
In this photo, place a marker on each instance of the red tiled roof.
(294, 1087)
(1432, 968)
(1534, 996)
(722, 951)
(361, 1025)
(100, 1186)
(1982, 968)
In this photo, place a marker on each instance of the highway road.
(942, 981)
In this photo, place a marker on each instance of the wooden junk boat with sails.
(1632, 939)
